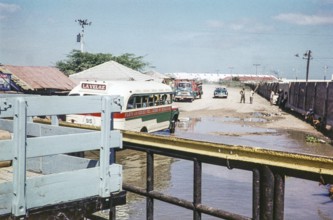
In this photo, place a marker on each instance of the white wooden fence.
(42, 149)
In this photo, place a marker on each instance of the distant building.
(218, 77)
(34, 80)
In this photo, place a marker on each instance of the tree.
(78, 61)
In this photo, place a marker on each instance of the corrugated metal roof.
(37, 77)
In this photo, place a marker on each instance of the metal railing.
(269, 169)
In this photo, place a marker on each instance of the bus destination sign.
(93, 86)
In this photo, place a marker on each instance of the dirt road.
(231, 107)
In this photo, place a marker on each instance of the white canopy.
(110, 70)
(157, 75)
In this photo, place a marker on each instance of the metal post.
(197, 176)
(112, 213)
(266, 193)
(150, 185)
(279, 197)
(256, 195)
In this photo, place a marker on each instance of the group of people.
(282, 98)
(318, 123)
(242, 93)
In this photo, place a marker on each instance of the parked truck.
(187, 89)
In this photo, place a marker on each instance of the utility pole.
(325, 71)
(80, 36)
(231, 68)
(256, 65)
(307, 56)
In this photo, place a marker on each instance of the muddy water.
(230, 190)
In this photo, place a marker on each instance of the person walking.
(251, 96)
(242, 93)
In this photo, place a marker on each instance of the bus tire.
(172, 126)
(144, 130)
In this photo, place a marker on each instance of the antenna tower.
(80, 36)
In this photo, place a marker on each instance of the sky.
(196, 36)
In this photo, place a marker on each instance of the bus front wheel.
(144, 129)
(172, 126)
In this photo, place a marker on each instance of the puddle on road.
(223, 187)
(245, 132)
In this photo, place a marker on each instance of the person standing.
(242, 93)
(272, 97)
(251, 96)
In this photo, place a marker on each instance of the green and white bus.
(148, 105)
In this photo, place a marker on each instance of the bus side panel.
(153, 119)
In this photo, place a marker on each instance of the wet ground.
(230, 190)
(246, 132)
(230, 122)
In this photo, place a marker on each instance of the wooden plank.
(59, 163)
(69, 105)
(6, 174)
(60, 187)
(37, 129)
(6, 150)
(6, 188)
(68, 186)
(6, 196)
(40, 146)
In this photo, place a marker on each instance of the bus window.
(138, 101)
(131, 102)
(164, 99)
(151, 100)
(145, 101)
(156, 100)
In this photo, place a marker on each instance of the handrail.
(298, 162)
(269, 170)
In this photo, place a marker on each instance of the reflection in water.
(134, 173)
(235, 131)
(230, 190)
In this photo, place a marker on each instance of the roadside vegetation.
(78, 61)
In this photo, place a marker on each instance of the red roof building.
(39, 80)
